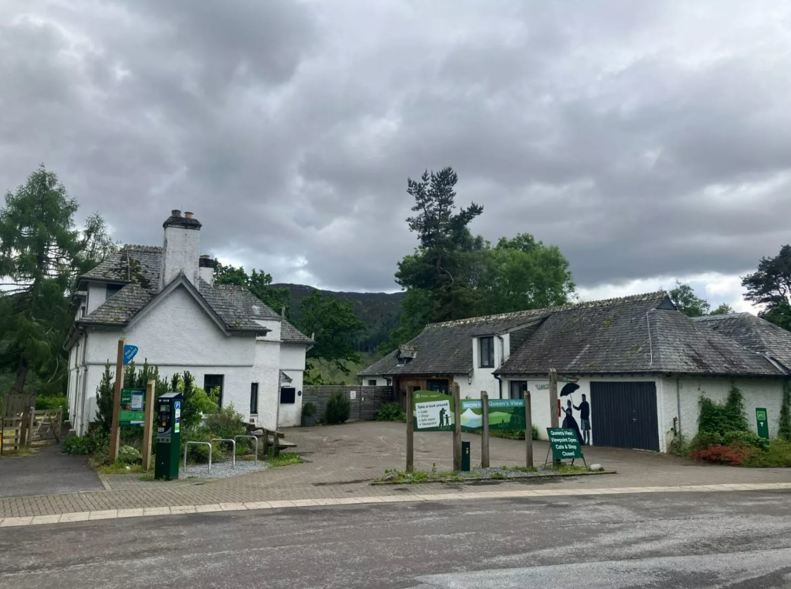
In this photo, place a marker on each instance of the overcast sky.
(650, 141)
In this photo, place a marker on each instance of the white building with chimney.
(164, 301)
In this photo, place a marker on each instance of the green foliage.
(129, 455)
(285, 459)
(776, 455)
(94, 442)
(76, 445)
(338, 409)
(308, 409)
(784, 423)
(723, 309)
(197, 402)
(679, 446)
(41, 252)
(721, 419)
(334, 326)
(390, 412)
(454, 274)
(258, 282)
(770, 285)
(52, 403)
(104, 400)
(226, 423)
(685, 300)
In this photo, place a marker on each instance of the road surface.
(739, 539)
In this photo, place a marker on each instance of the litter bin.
(465, 456)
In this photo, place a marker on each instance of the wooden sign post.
(148, 424)
(456, 428)
(553, 397)
(119, 383)
(528, 431)
(485, 430)
(410, 433)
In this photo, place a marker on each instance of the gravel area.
(222, 470)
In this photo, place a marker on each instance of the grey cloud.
(644, 140)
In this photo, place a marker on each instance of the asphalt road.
(740, 539)
(46, 472)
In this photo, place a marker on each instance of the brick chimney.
(181, 247)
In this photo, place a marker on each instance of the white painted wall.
(757, 392)
(177, 335)
(379, 381)
(482, 379)
(97, 294)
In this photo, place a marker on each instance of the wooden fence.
(365, 401)
(14, 404)
(29, 427)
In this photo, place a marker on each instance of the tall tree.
(441, 264)
(334, 327)
(686, 301)
(722, 309)
(258, 281)
(454, 274)
(770, 285)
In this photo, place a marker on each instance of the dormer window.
(112, 289)
(486, 351)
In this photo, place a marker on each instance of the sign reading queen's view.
(564, 444)
(504, 414)
(432, 411)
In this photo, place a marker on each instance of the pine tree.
(104, 400)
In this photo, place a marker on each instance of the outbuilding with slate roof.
(638, 365)
(164, 300)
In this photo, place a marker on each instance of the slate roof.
(139, 267)
(753, 333)
(629, 335)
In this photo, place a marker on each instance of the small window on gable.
(288, 395)
(371, 382)
(486, 351)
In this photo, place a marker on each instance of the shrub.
(129, 455)
(226, 423)
(679, 446)
(744, 439)
(52, 403)
(776, 455)
(338, 408)
(784, 423)
(705, 439)
(390, 412)
(308, 409)
(76, 445)
(720, 454)
(717, 418)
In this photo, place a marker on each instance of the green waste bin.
(465, 456)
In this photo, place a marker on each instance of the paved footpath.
(341, 461)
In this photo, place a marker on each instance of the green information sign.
(507, 415)
(762, 421)
(132, 407)
(564, 443)
(432, 411)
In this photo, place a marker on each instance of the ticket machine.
(168, 436)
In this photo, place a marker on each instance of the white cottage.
(163, 300)
(641, 365)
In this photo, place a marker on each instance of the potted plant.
(308, 414)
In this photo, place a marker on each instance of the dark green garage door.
(624, 415)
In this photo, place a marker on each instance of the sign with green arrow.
(762, 420)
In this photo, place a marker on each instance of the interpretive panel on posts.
(432, 411)
(504, 414)
(132, 407)
(564, 443)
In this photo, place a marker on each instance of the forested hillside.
(379, 311)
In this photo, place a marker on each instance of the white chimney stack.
(181, 247)
(206, 266)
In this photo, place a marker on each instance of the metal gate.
(624, 415)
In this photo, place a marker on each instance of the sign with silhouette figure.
(433, 411)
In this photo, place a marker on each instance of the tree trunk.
(21, 376)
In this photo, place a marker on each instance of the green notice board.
(432, 411)
(132, 407)
(507, 415)
(564, 443)
(762, 422)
